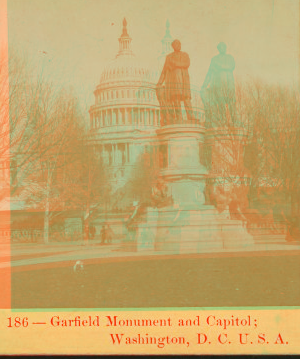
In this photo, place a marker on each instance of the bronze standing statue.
(176, 78)
(220, 81)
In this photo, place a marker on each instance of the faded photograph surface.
(153, 155)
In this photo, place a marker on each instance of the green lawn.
(174, 282)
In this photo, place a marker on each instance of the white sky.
(81, 36)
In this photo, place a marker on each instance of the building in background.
(125, 115)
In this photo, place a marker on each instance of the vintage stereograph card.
(149, 177)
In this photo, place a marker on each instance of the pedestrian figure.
(103, 234)
(131, 225)
(110, 234)
(92, 232)
(79, 273)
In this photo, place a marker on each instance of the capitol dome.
(126, 93)
(125, 69)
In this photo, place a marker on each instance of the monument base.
(191, 231)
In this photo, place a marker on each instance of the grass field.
(173, 282)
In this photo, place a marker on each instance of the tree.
(138, 187)
(268, 161)
(272, 156)
(45, 128)
(270, 113)
(95, 190)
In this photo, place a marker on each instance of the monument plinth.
(182, 171)
(189, 224)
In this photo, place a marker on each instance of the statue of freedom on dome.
(176, 80)
(218, 89)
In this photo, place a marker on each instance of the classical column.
(126, 116)
(125, 152)
(152, 117)
(139, 117)
(113, 153)
(119, 116)
(110, 117)
(136, 120)
(132, 117)
(113, 117)
(146, 117)
(114, 120)
(100, 119)
(129, 116)
(123, 115)
(104, 117)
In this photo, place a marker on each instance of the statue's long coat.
(177, 79)
(220, 77)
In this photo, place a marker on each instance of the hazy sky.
(81, 36)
